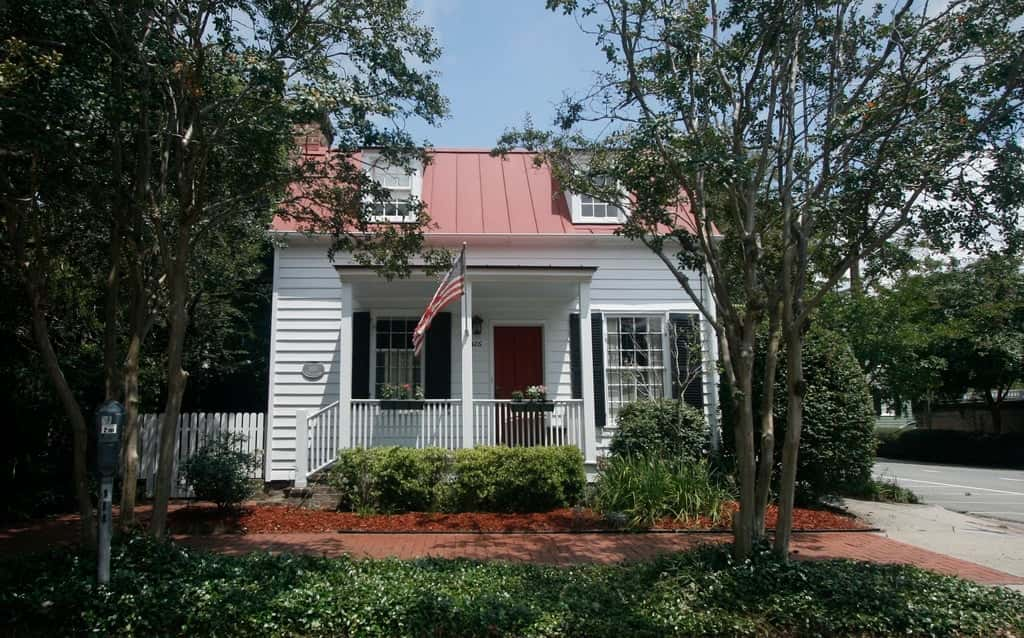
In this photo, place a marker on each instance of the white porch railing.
(495, 423)
(438, 424)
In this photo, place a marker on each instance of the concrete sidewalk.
(993, 543)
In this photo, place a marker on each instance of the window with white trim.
(587, 209)
(402, 184)
(636, 360)
(395, 361)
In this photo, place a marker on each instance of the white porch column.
(301, 448)
(466, 333)
(345, 365)
(587, 362)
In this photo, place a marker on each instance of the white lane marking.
(966, 487)
(932, 471)
(1003, 478)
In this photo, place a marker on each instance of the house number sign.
(312, 371)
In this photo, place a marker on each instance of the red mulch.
(263, 519)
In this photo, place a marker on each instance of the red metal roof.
(470, 192)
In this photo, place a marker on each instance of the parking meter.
(109, 421)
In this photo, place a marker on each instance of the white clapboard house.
(552, 298)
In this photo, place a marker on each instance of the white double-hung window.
(636, 365)
(402, 184)
(396, 362)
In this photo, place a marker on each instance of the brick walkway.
(555, 549)
(566, 549)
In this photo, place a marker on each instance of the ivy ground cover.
(163, 589)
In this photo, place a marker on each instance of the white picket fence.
(194, 429)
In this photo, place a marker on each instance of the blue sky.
(501, 60)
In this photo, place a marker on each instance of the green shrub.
(883, 491)
(160, 589)
(661, 427)
(219, 471)
(837, 441)
(488, 479)
(649, 488)
(951, 446)
(390, 479)
(524, 479)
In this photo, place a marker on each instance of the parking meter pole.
(109, 419)
(103, 557)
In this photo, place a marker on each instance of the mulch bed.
(280, 519)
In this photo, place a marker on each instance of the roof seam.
(529, 191)
(504, 192)
(480, 181)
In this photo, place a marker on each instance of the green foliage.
(961, 448)
(163, 589)
(940, 333)
(883, 491)
(219, 471)
(837, 443)
(390, 479)
(521, 479)
(487, 479)
(661, 427)
(649, 488)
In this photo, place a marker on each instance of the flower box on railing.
(532, 406)
(402, 404)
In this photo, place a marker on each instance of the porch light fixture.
(478, 325)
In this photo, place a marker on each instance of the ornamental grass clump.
(648, 488)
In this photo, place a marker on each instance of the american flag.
(452, 287)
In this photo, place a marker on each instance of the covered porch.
(514, 327)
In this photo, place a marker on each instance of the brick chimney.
(311, 138)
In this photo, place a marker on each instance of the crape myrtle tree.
(775, 144)
(49, 187)
(219, 88)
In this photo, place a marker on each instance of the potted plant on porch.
(401, 397)
(533, 399)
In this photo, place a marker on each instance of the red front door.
(518, 359)
(518, 364)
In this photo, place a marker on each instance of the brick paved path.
(555, 549)
(565, 549)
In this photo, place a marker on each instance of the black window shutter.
(685, 343)
(597, 338)
(438, 364)
(360, 355)
(575, 356)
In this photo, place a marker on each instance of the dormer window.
(588, 209)
(403, 185)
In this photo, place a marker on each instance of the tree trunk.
(177, 378)
(995, 409)
(130, 443)
(79, 429)
(112, 385)
(743, 520)
(791, 448)
(766, 462)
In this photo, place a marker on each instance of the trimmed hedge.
(159, 589)
(662, 427)
(482, 479)
(952, 446)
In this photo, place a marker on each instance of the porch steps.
(317, 495)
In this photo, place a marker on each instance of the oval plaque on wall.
(312, 371)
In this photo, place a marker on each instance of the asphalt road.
(981, 491)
